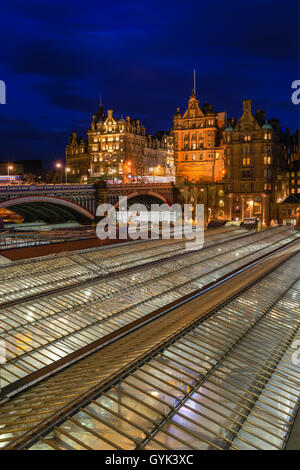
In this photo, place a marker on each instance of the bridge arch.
(139, 196)
(40, 204)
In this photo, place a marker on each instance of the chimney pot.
(247, 106)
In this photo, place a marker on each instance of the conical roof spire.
(100, 114)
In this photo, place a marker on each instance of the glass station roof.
(39, 332)
(228, 383)
(36, 276)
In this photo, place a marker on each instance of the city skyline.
(143, 67)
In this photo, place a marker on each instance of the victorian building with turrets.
(119, 147)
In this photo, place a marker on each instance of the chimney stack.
(247, 106)
(260, 116)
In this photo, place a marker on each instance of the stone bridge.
(49, 202)
(59, 202)
(137, 192)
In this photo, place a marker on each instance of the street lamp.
(67, 170)
(59, 166)
(9, 167)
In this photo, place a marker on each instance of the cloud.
(14, 129)
(57, 56)
(65, 96)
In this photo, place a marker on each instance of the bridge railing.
(139, 185)
(45, 187)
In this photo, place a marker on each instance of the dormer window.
(247, 137)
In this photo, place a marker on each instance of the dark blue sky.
(57, 56)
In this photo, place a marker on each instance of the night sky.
(57, 56)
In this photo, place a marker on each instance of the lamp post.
(9, 167)
(151, 172)
(67, 170)
(59, 166)
(127, 167)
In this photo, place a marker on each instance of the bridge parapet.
(45, 187)
(139, 185)
(83, 195)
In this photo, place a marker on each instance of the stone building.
(77, 156)
(256, 162)
(199, 157)
(119, 147)
(159, 154)
(289, 211)
(292, 146)
(198, 148)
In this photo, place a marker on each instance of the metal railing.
(45, 187)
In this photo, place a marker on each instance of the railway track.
(159, 387)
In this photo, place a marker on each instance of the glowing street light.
(9, 167)
(67, 170)
(59, 166)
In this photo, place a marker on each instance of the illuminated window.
(246, 161)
